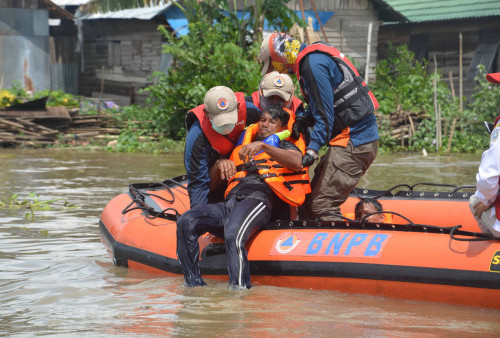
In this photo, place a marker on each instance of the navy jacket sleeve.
(253, 112)
(320, 76)
(198, 156)
(300, 111)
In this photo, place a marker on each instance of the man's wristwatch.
(312, 153)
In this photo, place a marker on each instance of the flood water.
(56, 278)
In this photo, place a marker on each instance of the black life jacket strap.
(348, 102)
(288, 184)
(344, 91)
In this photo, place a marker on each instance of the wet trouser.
(237, 220)
(337, 174)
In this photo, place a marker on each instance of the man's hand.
(479, 208)
(248, 150)
(309, 158)
(300, 126)
(226, 167)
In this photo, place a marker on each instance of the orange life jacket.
(291, 186)
(353, 99)
(224, 144)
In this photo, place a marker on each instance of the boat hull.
(376, 259)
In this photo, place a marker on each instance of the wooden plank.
(50, 112)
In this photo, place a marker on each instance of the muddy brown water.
(56, 278)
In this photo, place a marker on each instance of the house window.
(114, 53)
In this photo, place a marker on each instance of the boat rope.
(411, 188)
(139, 198)
(138, 194)
(481, 236)
(348, 223)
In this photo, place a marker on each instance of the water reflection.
(56, 278)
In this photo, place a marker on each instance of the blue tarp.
(177, 20)
(323, 16)
(179, 23)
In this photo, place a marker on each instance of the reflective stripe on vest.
(290, 186)
(223, 144)
(353, 99)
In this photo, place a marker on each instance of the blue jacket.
(199, 157)
(320, 75)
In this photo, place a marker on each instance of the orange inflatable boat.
(431, 250)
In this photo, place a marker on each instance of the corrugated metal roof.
(438, 10)
(56, 12)
(71, 2)
(143, 13)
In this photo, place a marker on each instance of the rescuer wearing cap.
(276, 89)
(485, 203)
(266, 172)
(341, 108)
(213, 129)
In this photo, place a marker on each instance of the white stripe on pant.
(251, 216)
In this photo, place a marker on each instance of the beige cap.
(221, 105)
(278, 84)
(265, 54)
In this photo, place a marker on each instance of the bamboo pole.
(368, 49)
(448, 148)
(461, 74)
(452, 86)
(412, 133)
(317, 17)
(304, 18)
(439, 128)
(453, 123)
(435, 101)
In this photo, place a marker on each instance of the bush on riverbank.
(404, 89)
(17, 94)
(226, 52)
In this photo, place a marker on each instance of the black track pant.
(237, 220)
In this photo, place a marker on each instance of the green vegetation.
(222, 48)
(219, 49)
(213, 53)
(403, 85)
(17, 94)
(32, 203)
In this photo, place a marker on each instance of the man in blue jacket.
(213, 130)
(341, 114)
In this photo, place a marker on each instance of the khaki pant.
(487, 220)
(336, 175)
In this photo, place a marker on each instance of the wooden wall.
(120, 56)
(347, 29)
(443, 43)
(26, 4)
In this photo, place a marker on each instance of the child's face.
(369, 208)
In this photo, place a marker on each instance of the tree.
(220, 49)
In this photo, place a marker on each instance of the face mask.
(225, 129)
